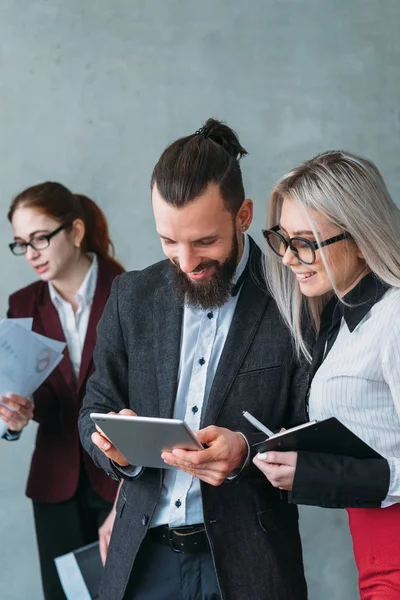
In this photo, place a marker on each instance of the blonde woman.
(333, 260)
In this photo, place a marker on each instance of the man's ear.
(245, 215)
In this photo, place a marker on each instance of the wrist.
(242, 449)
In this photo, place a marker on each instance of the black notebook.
(80, 572)
(329, 436)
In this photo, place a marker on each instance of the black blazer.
(253, 531)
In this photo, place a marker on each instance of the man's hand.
(105, 532)
(278, 467)
(106, 446)
(17, 412)
(227, 451)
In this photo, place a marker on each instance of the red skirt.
(376, 543)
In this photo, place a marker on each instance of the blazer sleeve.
(107, 388)
(333, 481)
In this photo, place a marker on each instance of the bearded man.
(197, 337)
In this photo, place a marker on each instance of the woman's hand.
(105, 532)
(16, 411)
(278, 467)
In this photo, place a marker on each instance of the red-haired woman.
(65, 239)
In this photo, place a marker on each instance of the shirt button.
(145, 520)
(194, 409)
(202, 361)
(178, 503)
(210, 315)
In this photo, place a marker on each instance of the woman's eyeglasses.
(303, 249)
(40, 242)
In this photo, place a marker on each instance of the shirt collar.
(361, 299)
(85, 293)
(239, 274)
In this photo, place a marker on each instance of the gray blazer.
(253, 531)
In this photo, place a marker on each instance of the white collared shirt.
(359, 383)
(74, 325)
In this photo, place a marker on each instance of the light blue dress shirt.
(204, 333)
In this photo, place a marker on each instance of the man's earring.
(245, 227)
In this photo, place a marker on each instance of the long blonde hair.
(349, 191)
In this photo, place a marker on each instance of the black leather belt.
(190, 539)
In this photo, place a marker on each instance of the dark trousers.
(64, 527)
(162, 574)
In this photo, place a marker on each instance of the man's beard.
(210, 294)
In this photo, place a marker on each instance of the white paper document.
(26, 359)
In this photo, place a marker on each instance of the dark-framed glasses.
(39, 242)
(303, 249)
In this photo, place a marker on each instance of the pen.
(257, 424)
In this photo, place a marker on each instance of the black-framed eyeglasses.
(39, 242)
(303, 249)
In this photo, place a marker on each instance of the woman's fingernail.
(263, 456)
(106, 446)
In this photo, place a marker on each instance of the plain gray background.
(91, 91)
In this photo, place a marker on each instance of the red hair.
(56, 200)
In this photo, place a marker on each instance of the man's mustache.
(200, 267)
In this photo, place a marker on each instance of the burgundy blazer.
(58, 455)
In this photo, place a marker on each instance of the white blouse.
(359, 383)
(74, 325)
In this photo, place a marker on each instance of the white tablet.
(142, 439)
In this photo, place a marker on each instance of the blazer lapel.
(167, 341)
(52, 328)
(100, 298)
(248, 314)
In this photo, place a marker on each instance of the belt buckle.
(171, 542)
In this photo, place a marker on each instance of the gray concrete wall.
(91, 91)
